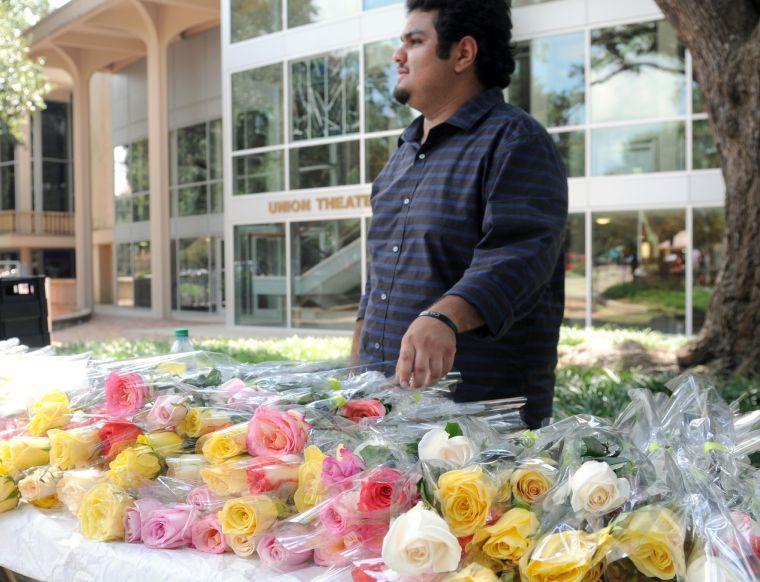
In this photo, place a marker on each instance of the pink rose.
(344, 465)
(232, 387)
(207, 535)
(169, 528)
(167, 411)
(332, 552)
(274, 432)
(338, 514)
(276, 475)
(125, 393)
(134, 517)
(277, 557)
(357, 409)
(371, 536)
(204, 499)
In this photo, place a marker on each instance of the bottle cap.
(181, 332)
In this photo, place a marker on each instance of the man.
(468, 219)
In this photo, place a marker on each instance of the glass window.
(57, 264)
(639, 276)
(257, 106)
(141, 208)
(251, 18)
(121, 185)
(191, 154)
(637, 72)
(704, 151)
(708, 256)
(324, 93)
(634, 149)
(370, 4)
(575, 269)
(381, 110)
(572, 148)
(123, 210)
(327, 272)
(256, 173)
(260, 275)
(194, 274)
(55, 187)
(7, 187)
(335, 164)
(215, 149)
(192, 200)
(216, 196)
(302, 12)
(125, 290)
(549, 80)
(697, 106)
(7, 147)
(142, 273)
(137, 169)
(379, 149)
(55, 130)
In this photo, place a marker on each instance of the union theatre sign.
(318, 204)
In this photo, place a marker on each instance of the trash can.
(23, 310)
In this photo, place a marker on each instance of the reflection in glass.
(7, 187)
(194, 274)
(216, 196)
(258, 173)
(696, 94)
(56, 194)
(635, 149)
(637, 72)
(251, 18)
(572, 148)
(55, 130)
(549, 80)
(302, 12)
(123, 210)
(142, 273)
(215, 149)
(327, 272)
(191, 154)
(257, 105)
(704, 151)
(324, 94)
(707, 258)
(260, 275)
(125, 288)
(638, 278)
(381, 110)
(7, 147)
(379, 149)
(141, 208)
(335, 164)
(192, 200)
(575, 270)
(137, 167)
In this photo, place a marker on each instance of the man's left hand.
(427, 353)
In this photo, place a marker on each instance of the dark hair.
(489, 22)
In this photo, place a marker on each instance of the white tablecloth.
(48, 547)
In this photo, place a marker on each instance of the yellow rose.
(653, 539)
(566, 556)
(466, 496)
(132, 465)
(530, 482)
(73, 449)
(20, 453)
(473, 573)
(249, 515)
(200, 421)
(101, 513)
(52, 411)
(310, 487)
(503, 543)
(164, 443)
(39, 484)
(228, 478)
(8, 494)
(504, 486)
(243, 545)
(224, 444)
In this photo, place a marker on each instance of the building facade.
(236, 170)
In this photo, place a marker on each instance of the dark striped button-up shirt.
(477, 211)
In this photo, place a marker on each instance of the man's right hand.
(356, 342)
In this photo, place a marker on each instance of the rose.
(568, 555)
(9, 494)
(227, 478)
(200, 421)
(243, 546)
(377, 489)
(185, 467)
(653, 539)
(310, 487)
(277, 557)
(420, 542)
(132, 465)
(167, 411)
(503, 543)
(276, 475)
(332, 552)
(231, 387)
(207, 535)
(274, 432)
(101, 513)
(466, 496)
(163, 443)
(21, 453)
(436, 445)
(74, 484)
(357, 409)
(169, 528)
(39, 484)
(706, 568)
(125, 393)
(115, 435)
(249, 515)
(596, 489)
(371, 536)
(339, 513)
(73, 449)
(203, 498)
(135, 515)
(224, 444)
(340, 467)
(52, 411)
(473, 573)
(530, 481)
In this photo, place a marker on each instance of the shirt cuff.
(492, 305)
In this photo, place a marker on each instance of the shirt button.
(395, 248)
(406, 201)
(377, 345)
(383, 296)
(421, 156)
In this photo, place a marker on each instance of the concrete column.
(23, 156)
(25, 256)
(82, 194)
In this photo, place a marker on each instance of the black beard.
(401, 95)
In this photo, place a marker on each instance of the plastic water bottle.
(182, 341)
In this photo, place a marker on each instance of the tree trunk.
(723, 37)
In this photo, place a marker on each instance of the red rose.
(378, 488)
(357, 409)
(114, 435)
(755, 540)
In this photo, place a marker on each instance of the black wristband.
(442, 318)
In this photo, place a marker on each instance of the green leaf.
(453, 429)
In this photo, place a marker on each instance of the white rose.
(186, 467)
(420, 542)
(712, 569)
(167, 411)
(74, 484)
(454, 452)
(596, 489)
(243, 545)
(39, 484)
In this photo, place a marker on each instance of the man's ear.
(465, 53)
